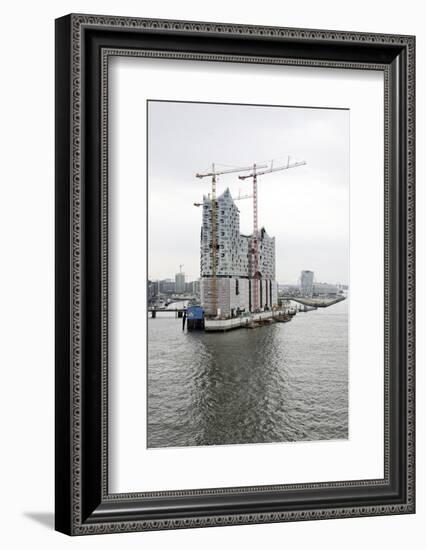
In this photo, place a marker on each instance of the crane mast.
(255, 245)
(214, 245)
(255, 238)
(213, 174)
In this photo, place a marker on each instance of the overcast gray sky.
(305, 208)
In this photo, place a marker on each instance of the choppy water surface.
(284, 382)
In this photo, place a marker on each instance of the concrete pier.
(222, 325)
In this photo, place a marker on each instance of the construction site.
(238, 286)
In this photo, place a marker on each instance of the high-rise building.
(306, 283)
(180, 283)
(235, 279)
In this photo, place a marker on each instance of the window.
(237, 287)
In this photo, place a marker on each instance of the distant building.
(153, 289)
(166, 286)
(180, 283)
(193, 288)
(289, 289)
(234, 262)
(306, 283)
(196, 287)
(325, 289)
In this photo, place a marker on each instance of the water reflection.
(285, 382)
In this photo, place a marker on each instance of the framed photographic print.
(234, 274)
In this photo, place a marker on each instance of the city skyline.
(280, 282)
(306, 209)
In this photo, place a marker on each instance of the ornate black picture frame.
(84, 44)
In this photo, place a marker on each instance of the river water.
(283, 382)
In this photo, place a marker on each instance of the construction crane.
(258, 171)
(213, 175)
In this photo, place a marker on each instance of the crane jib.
(277, 169)
(228, 171)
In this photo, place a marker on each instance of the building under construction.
(233, 280)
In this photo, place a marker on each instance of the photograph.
(248, 286)
(234, 305)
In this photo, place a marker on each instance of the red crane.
(255, 238)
